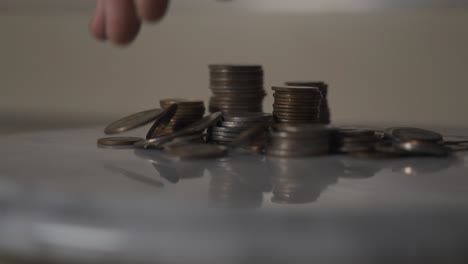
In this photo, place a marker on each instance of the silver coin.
(133, 121)
(161, 121)
(235, 68)
(232, 130)
(249, 135)
(224, 134)
(411, 133)
(248, 117)
(422, 148)
(304, 128)
(118, 141)
(294, 153)
(198, 151)
(235, 124)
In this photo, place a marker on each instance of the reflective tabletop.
(64, 199)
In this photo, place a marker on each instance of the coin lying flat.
(132, 121)
(118, 141)
(198, 151)
(411, 133)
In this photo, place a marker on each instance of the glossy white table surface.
(65, 199)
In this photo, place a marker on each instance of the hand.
(120, 20)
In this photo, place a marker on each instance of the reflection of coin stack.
(294, 184)
(233, 125)
(236, 88)
(227, 189)
(324, 108)
(188, 112)
(296, 104)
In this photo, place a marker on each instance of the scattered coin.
(234, 124)
(424, 148)
(133, 121)
(198, 151)
(118, 141)
(354, 140)
(188, 112)
(411, 133)
(162, 121)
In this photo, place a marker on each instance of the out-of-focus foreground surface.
(405, 67)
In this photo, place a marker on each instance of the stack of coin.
(296, 104)
(233, 125)
(324, 108)
(236, 88)
(299, 140)
(354, 140)
(188, 112)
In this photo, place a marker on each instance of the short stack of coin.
(236, 88)
(324, 108)
(354, 140)
(298, 140)
(188, 112)
(233, 125)
(296, 104)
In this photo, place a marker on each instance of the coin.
(234, 130)
(133, 121)
(198, 151)
(422, 148)
(171, 101)
(247, 117)
(118, 141)
(411, 133)
(296, 89)
(236, 88)
(162, 121)
(248, 136)
(235, 124)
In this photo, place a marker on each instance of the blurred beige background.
(396, 68)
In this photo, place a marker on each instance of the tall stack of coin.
(324, 108)
(188, 112)
(233, 125)
(236, 88)
(296, 104)
(300, 140)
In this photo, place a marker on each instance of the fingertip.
(122, 22)
(151, 10)
(97, 23)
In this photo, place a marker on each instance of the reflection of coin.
(198, 151)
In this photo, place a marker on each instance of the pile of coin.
(354, 140)
(236, 88)
(287, 140)
(323, 88)
(296, 104)
(188, 112)
(232, 125)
